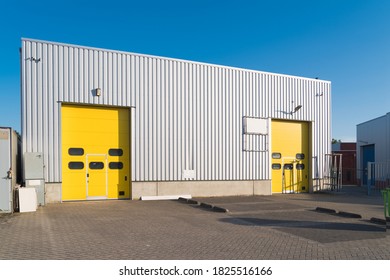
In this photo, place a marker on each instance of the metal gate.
(378, 176)
(333, 172)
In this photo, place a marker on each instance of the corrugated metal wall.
(186, 115)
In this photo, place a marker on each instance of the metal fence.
(333, 173)
(378, 176)
(349, 176)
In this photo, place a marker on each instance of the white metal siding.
(187, 115)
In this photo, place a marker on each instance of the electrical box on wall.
(33, 166)
(34, 175)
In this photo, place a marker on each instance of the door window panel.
(288, 166)
(300, 166)
(76, 151)
(115, 152)
(76, 165)
(276, 166)
(96, 165)
(115, 165)
(300, 156)
(276, 155)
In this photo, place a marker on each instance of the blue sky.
(345, 42)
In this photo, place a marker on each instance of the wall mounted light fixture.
(36, 60)
(296, 109)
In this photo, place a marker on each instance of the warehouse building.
(119, 125)
(373, 146)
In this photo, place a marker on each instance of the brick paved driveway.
(277, 227)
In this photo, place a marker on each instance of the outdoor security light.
(296, 109)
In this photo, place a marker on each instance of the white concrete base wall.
(201, 188)
(262, 188)
(52, 192)
(193, 188)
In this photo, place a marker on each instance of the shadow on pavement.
(319, 231)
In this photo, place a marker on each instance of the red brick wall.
(348, 150)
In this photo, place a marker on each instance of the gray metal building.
(373, 145)
(193, 128)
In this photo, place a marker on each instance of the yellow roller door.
(95, 152)
(290, 156)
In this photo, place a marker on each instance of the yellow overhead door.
(290, 156)
(95, 152)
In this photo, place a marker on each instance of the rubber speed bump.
(349, 215)
(326, 210)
